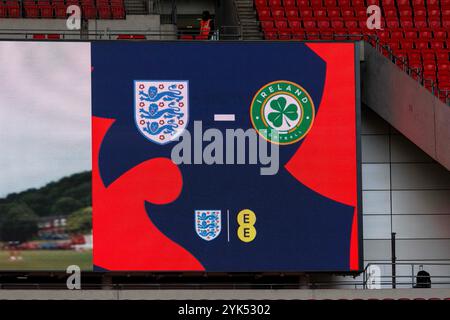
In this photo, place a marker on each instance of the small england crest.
(208, 224)
(161, 109)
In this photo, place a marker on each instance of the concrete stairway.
(136, 7)
(249, 21)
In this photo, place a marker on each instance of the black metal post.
(394, 259)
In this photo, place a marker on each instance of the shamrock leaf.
(281, 111)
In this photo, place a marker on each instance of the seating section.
(417, 31)
(48, 9)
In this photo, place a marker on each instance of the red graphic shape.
(125, 237)
(326, 161)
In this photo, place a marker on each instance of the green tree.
(19, 223)
(65, 206)
(80, 221)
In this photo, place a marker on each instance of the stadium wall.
(406, 192)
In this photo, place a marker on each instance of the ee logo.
(246, 220)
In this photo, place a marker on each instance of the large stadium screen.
(180, 156)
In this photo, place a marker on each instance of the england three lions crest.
(208, 224)
(161, 109)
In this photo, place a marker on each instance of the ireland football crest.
(282, 112)
(208, 224)
(161, 109)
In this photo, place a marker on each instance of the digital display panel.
(205, 156)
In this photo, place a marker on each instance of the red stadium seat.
(337, 23)
(434, 22)
(418, 3)
(89, 12)
(344, 3)
(306, 12)
(420, 22)
(295, 24)
(292, 13)
(320, 13)
(361, 12)
(442, 55)
(420, 12)
(407, 44)
(104, 12)
(303, 3)
(392, 23)
(284, 34)
(117, 12)
(326, 34)
(316, 3)
(261, 3)
(406, 23)
(351, 23)
(60, 11)
(421, 44)
(428, 55)
(289, 3)
(274, 3)
(402, 3)
(270, 35)
(425, 34)
(309, 23)
(405, 12)
(435, 44)
(397, 34)
(410, 34)
(46, 11)
(277, 13)
(348, 12)
(329, 3)
(281, 24)
(359, 3)
(388, 3)
(390, 12)
(323, 23)
(31, 11)
(369, 2)
(333, 12)
(298, 35)
(264, 14)
(265, 25)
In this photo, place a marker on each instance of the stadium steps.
(248, 20)
(136, 7)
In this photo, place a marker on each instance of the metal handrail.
(412, 276)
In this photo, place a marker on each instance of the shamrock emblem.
(282, 112)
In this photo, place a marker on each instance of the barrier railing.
(224, 33)
(410, 280)
(166, 281)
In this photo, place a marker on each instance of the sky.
(45, 113)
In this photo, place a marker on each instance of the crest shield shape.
(208, 224)
(161, 109)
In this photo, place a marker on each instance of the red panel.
(312, 164)
(117, 198)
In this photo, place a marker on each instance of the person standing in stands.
(206, 25)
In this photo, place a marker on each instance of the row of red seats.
(351, 23)
(348, 3)
(405, 29)
(334, 11)
(90, 10)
